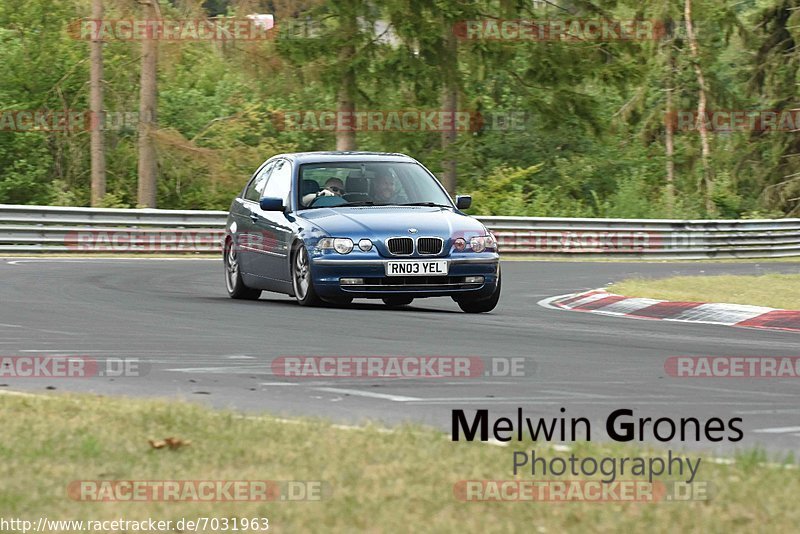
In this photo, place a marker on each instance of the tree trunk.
(702, 108)
(669, 140)
(148, 92)
(346, 107)
(346, 94)
(449, 105)
(96, 143)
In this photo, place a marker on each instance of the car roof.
(345, 156)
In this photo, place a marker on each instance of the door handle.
(253, 217)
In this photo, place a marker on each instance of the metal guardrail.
(68, 229)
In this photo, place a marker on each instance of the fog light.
(355, 281)
(473, 280)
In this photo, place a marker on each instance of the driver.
(334, 187)
(384, 189)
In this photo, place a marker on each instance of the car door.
(273, 227)
(247, 238)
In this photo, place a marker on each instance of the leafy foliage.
(591, 142)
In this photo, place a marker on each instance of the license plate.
(416, 268)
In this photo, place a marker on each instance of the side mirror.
(271, 204)
(463, 202)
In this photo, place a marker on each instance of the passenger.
(334, 187)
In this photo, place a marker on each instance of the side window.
(256, 187)
(280, 182)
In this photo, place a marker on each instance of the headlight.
(342, 245)
(478, 244)
(491, 242)
(483, 243)
(365, 245)
(459, 244)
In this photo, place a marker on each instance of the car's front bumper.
(328, 271)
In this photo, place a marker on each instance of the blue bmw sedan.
(334, 226)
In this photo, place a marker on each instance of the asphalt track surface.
(202, 346)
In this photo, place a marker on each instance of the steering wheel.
(324, 201)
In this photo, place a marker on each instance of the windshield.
(368, 184)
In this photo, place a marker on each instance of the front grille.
(400, 246)
(429, 245)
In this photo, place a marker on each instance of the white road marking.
(60, 351)
(575, 394)
(548, 302)
(736, 391)
(491, 399)
(511, 381)
(778, 411)
(667, 402)
(209, 370)
(104, 260)
(624, 307)
(484, 402)
(729, 314)
(587, 300)
(777, 430)
(369, 394)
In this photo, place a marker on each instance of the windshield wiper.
(431, 204)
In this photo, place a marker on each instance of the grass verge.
(396, 481)
(772, 290)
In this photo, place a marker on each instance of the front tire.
(233, 275)
(302, 283)
(482, 306)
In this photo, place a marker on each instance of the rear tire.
(233, 275)
(397, 301)
(302, 281)
(484, 305)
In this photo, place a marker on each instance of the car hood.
(385, 221)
